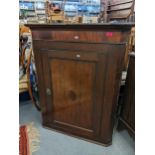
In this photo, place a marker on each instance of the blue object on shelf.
(26, 5)
(70, 7)
(82, 8)
(40, 5)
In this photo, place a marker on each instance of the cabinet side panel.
(112, 84)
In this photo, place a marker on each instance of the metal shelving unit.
(72, 8)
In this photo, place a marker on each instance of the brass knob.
(78, 55)
(48, 91)
(76, 37)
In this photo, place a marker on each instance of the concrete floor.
(54, 143)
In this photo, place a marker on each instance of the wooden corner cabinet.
(79, 71)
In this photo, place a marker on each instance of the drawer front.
(39, 45)
(78, 36)
(74, 55)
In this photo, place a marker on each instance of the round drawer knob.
(78, 56)
(76, 37)
(48, 92)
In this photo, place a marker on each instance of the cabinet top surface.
(118, 26)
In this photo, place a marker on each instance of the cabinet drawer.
(79, 36)
(74, 55)
(75, 36)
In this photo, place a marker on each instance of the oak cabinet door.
(73, 83)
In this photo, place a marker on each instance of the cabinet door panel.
(76, 92)
(72, 91)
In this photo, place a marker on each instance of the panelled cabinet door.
(73, 86)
